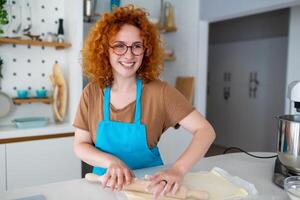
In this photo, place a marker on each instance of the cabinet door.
(216, 112)
(40, 162)
(2, 169)
(244, 120)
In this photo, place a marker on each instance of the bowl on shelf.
(22, 94)
(41, 93)
(30, 122)
(292, 187)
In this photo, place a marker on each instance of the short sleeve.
(81, 117)
(176, 106)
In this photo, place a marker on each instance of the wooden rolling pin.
(138, 185)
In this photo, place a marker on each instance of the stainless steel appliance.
(288, 141)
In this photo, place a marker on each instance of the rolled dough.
(216, 185)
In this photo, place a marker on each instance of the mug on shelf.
(22, 94)
(41, 93)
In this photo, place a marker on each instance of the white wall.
(75, 35)
(185, 42)
(202, 56)
(293, 65)
(217, 10)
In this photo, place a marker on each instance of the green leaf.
(3, 13)
(2, 2)
(3, 17)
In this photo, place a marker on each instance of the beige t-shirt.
(162, 107)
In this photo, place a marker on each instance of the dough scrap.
(216, 185)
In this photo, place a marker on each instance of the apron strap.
(106, 106)
(106, 103)
(139, 87)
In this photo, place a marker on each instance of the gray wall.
(219, 10)
(265, 25)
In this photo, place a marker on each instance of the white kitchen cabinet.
(41, 161)
(216, 107)
(2, 168)
(244, 121)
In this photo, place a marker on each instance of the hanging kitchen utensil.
(5, 104)
(5, 100)
(26, 18)
(15, 20)
(59, 93)
(1, 63)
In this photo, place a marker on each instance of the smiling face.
(125, 65)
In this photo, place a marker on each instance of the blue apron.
(126, 141)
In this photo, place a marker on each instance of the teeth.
(125, 64)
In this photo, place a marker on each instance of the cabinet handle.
(226, 93)
(253, 84)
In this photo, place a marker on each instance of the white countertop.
(10, 131)
(257, 171)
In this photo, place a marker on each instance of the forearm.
(92, 156)
(202, 139)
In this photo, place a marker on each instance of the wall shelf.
(19, 101)
(168, 30)
(56, 45)
(169, 58)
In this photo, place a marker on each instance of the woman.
(126, 108)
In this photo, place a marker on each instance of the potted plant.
(3, 15)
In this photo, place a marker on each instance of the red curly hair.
(96, 65)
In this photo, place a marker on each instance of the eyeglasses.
(120, 48)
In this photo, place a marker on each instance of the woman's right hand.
(117, 175)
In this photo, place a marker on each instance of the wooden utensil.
(139, 185)
(59, 93)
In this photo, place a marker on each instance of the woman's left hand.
(165, 181)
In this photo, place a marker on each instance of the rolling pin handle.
(201, 195)
(93, 177)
